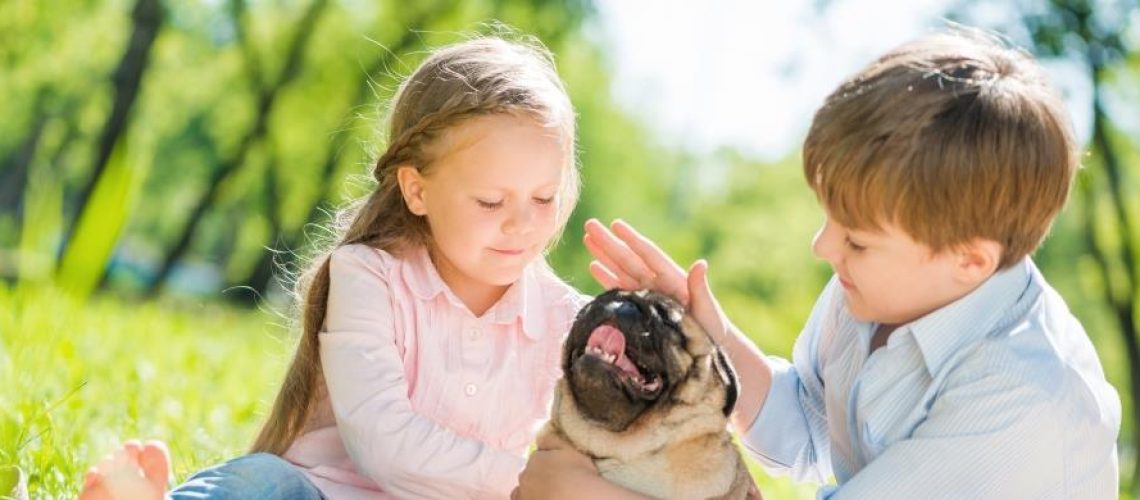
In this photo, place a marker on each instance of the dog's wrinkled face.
(626, 352)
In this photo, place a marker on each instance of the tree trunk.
(261, 276)
(127, 78)
(1123, 306)
(15, 173)
(265, 101)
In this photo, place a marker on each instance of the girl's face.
(491, 199)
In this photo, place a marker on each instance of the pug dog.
(646, 394)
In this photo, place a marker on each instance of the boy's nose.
(824, 244)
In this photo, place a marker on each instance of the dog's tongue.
(611, 341)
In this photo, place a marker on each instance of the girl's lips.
(846, 284)
(507, 251)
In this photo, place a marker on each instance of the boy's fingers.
(609, 246)
(704, 306)
(604, 276)
(664, 272)
(654, 257)
(621, 279)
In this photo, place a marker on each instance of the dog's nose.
(627, 311)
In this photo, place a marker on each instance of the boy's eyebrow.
(865, 233)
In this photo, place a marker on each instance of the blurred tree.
(265, 98)
(1093, 33)
(282, 252)
(14, 170)
(147, 17)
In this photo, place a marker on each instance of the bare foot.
(135, 471)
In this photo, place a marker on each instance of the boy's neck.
(879, 339)
(883, 330)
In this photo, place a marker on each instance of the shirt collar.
(521, 303)
(948, 329)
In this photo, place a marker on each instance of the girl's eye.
(854, 246)
(544, 201)
(489, 205)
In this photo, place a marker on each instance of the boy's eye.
(854, 246)
(544, 201)
(489, 205)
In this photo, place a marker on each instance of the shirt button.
(470, 389)
(473, 334)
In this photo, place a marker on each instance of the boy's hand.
(625, 259)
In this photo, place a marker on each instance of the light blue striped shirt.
(996, 395)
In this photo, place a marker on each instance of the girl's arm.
(407, 454)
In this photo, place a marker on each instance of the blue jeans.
(256, 476)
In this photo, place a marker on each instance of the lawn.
(79, 378)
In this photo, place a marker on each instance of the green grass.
(79, 378)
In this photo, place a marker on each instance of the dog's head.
(631, 352)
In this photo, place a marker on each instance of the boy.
(937, 363)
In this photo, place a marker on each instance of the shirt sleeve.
(992, 435)
(407, 454)
(790, 435)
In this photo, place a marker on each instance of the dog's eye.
(668, 315)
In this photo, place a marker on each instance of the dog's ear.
(728, 376)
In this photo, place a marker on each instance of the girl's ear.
(412, 188)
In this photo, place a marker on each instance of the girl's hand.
(625, 259)
(557, 470)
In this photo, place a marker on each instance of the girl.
(432, 331)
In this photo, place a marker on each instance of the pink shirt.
(424, 398)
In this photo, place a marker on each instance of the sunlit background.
(165, 165)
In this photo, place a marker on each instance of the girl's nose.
(520, 220)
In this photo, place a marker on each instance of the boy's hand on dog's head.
(703, 305)
(628, 260)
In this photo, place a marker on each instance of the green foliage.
(91, 375)
(102, 221)
(42, 222)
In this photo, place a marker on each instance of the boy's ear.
(978, 259)
(412, 189)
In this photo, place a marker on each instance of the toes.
(92, 477)
(93, 487)
(132, 448)
(154, 459)
(107, 463)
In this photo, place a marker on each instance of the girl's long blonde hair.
(484, 76)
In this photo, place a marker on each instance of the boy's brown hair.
(952, 137)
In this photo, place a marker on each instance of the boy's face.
(887, 277)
